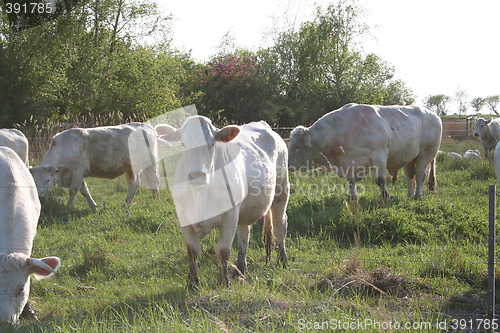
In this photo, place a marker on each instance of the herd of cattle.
(224, 178)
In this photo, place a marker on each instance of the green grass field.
(360, 265)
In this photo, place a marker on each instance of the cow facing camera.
(196, 161)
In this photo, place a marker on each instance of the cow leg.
(151, 174)
(380, 181)
(243, 234)
(420, 174)
(85, 191)
(278, 215)
(74, 186)
(133, 186)
(410, 174)
(223, 249)
(280, 226)
(72, 194)
(380, 177)
(193, 247)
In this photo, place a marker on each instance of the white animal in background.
(101, 152)
(496, 161)
(454, 155)
(15, 140)
(356, 139)
(472, 154)
(18, 222)
(228, 178)
(489, 131)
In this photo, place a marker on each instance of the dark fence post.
(491, 252)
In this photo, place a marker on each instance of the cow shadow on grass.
(122, 312)
(55, 211)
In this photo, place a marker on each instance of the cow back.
(20, 204)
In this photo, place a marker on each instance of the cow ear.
(167, 133)
(489, 120)
(227, 133)
(43, 268)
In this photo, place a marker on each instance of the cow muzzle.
(198, 178)
(476, 134)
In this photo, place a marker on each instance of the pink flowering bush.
(234, 85)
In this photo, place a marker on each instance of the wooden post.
(491, 252)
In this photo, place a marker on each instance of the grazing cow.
(472, 154)
(102, 152)
(19, 215)
(358, 138)
(227, 179)
(452, 154)
(15, 140)
(489, 132)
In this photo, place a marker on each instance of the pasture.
(364, 263)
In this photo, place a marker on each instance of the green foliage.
(114, 57)
(438, 103)
(320, 67)
(234, 83)
(477, 103)
(92, 61)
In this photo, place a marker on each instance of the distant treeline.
(113, 60)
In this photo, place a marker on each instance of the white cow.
(452, 154)
(102, 152)
(489, 132)
(496, 161)
(356, 139)
(19, 213)
(227, 179)
(15, 140)
(472, 154)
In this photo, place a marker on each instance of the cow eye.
(20, 290)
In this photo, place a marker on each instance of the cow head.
(482, 127)
(210, 176)
(198, 138)
(301, 150)
(15, 270)
(45, 177)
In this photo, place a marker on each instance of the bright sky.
(436, 46)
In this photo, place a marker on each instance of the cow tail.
(268, 234)
(432, 176)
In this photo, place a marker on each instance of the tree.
(461, 99)
(478, 103)
(438, 103)
(320, 67)
(233, 87)
(95, 60)
(492, 102)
